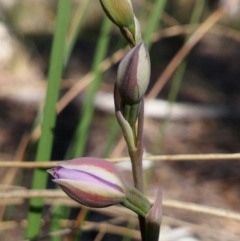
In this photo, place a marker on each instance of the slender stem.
(137, 164)
(140, 144)
(135, 147)
(136, 153)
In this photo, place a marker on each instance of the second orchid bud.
(134, 74)
(90, 181)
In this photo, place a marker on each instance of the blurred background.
(195, 108)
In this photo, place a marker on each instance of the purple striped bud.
(134, 74)
(90, 181)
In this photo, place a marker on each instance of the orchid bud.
(134, 74)
(120, 12)
(90, 181)
(154, 218)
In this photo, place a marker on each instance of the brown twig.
(201, 209)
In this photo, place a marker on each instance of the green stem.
(137, 165)
(140, 127)
(135, 147)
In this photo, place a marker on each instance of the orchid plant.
(95, 182)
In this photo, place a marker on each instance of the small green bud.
(134, 74)
(120, 12)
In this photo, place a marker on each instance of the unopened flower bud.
(134, 74)
(90, 181)
(154, 218)
(120, 12)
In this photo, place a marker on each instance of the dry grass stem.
(26, 194)
(9, 225)
(184, 157)
(77, 223)
(100, 234)
(202, 209)
(87, 226)
(11, 202)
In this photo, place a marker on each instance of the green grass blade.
(76, 23)
(197, 12)
(73, 33)
(49, 114)
(153, 21)
(100, 54)
(60, 212)
(80, 138)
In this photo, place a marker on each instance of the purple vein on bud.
(134, 75)
(93, 182)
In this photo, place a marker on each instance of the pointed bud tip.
(51, 171)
